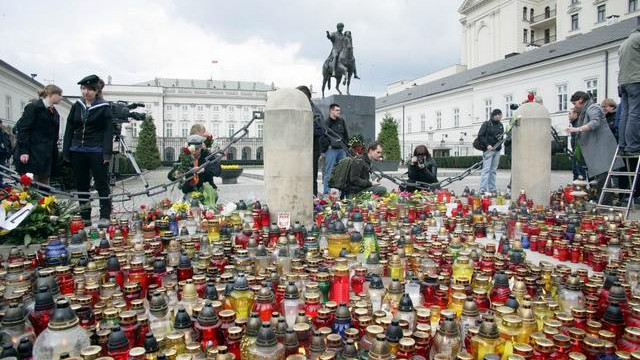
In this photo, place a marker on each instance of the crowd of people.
(596, 131)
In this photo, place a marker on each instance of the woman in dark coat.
(423, 168)
(88, 145)
(37, 145)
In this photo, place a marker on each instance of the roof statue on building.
(340, 62)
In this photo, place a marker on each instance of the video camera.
(121, 111)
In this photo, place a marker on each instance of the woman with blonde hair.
(37, 138)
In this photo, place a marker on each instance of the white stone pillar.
(288, 152)
(531, 153)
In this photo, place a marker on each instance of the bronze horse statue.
(345, 67)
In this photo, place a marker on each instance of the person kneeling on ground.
(361, 171)
(192, 156)
(422, 168)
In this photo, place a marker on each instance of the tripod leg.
(129, 154)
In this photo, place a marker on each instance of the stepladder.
(618, 191)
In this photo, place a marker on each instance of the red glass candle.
(233, 343)
(65, 280)
(208, 327)
(323, 319)
(263, 305)
(76, 224)
(118, 344)
(265, 217)
(340, 285)
(357, 281)
(137, 274)
(311, 305)
(43, 310)
(130, 326)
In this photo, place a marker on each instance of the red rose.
(41, 200)
(25, 180)
(185, 150)
(142, 207)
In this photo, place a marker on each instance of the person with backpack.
(360, 172)
(489, 135)
(37, 132)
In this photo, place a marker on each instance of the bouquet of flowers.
(28, 216)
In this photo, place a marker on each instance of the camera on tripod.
(121, 112)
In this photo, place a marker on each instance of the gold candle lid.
(136, 352)
(577, 356)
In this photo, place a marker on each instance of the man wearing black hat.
(489, 135)
(88, 144)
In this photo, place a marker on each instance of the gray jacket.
(598, 144)
(629, 54)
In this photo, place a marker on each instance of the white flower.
(29, 175)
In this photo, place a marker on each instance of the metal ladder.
(609, 187)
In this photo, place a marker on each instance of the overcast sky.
(279, 41)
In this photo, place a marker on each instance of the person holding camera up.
(422, 168)
(88, 144)
(38, 135)
(489, 135)
(193, 155)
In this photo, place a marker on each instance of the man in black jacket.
(490, 134)
(320, 141)
(336, 150)
(361, 171)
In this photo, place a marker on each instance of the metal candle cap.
(266, 336)
(292, 291)
(182, 320)
(241, 283)
(405, 303)
(117, 339)
(63, 316)
(207, 316)
(253, 325)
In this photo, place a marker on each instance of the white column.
(288, 152)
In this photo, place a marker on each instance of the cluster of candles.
(377, 279)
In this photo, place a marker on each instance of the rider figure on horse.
(339, 40)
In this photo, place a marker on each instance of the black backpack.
(341, 174)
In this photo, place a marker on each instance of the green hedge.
(558, 162)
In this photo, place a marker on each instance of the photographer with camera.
(192, 156)
(37, 133)
(88, 144)
(490, 134)
(422, 168)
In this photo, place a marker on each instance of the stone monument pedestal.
(531, 153)
(288, 152)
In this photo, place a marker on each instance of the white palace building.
(510, 48)
(223, 107)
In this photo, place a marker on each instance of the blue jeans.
(578, 168)
(629, 129)
(331, 158)
(490, 162)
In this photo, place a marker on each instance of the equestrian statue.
(340, 62)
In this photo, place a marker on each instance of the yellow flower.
(6, 205)
(179, 206)
(23, 195)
